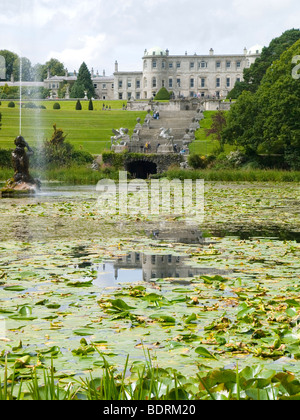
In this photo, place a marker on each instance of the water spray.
(20, 122)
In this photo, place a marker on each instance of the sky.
(99, 32)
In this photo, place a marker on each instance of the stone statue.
(21, 161)
(148, 118)
(165, 133)
(22, 181)
(120, 135)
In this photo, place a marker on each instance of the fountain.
(22, 182)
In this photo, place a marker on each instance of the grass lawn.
(206, 145)
(87, 130)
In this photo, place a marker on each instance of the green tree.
(83, 83)
(91, 106)
(27, 72)
(254, 75)
(10, 58)
(268, 121)
(217, 126)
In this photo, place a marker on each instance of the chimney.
(92, 72)
(103, 73)
(211, 51)
(116, 66)
(245, 51)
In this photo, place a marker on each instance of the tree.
(27, 72)
(268, 121)
(254, 75)
(83, 83)
(91, 106)
(218, 125)
(10, 57)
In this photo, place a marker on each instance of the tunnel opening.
(141, 169)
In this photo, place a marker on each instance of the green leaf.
(163, 318)
(205, 353)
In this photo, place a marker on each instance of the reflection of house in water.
(162, 266)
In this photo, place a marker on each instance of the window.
(129, 96)
(192, 83)
(163, 65)
(129, 83)
(170, 65)
(202, 82)
(138, 84)
(104, 86)
(218, 64)
(192, 65)
(154, 82)
(138, 95)
(145, 82)
(228, 64)
(228, 82)
(218, 82)
(120, 96)
(154, 64)
(203, 64)
(238, 79)
(170, 83)
(153, 259)
(95, 85)
(120, 84)
(178, 65)
(238, 64)
(163, 83)
(178, 82)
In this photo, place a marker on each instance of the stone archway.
(141, 168)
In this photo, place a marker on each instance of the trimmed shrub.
(11, 104)
(163, 95)
(78, 106)
(56, 105)
(91, 106)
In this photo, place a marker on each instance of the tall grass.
(145, 382)
(234, 175)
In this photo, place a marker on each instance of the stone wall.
(163, 162)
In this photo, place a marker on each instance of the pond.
(133, 283)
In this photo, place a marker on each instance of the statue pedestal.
(19, 189)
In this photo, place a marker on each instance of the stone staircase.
(177, 121)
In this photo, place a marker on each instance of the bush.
(91, 106)
(5, 158)
(78, 106)
(163, 95)
(197, 162)
(11, 104)
(56, 105)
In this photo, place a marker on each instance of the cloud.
(101, 31)
(89, 49)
